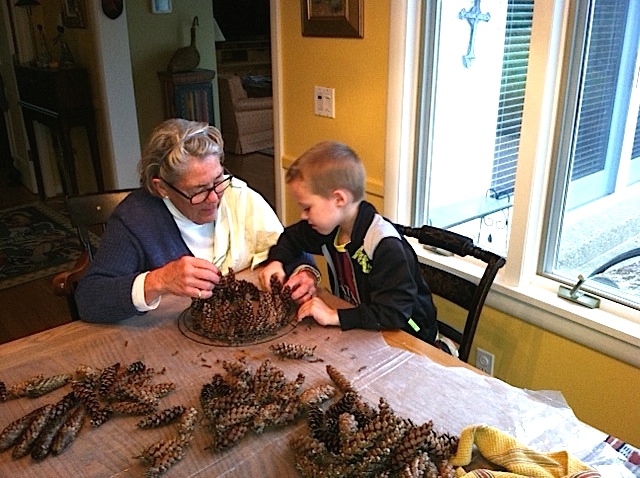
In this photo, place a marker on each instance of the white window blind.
(635, 151)
(512, 88)
(600, 84)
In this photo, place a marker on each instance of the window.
(474, 71)
(594, 227)
(475, 64)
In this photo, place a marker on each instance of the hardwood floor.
(257, 170)
(32, 307)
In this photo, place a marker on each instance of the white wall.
(117, 99)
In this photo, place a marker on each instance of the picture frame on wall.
(73, 14)
(160, 6)
(333, 18)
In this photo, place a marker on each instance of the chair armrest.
(253, 104)
(64, 283)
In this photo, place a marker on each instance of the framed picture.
(332, 18)
(112, 8)
(73, 15)
(160, 6)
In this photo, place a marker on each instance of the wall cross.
(472, 16)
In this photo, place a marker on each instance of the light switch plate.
(324, 101)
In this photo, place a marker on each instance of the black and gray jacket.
(391, 293)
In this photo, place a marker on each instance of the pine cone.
(340, 380)
(317, 395)
(107, 378)
(187, 424)
(293, 351)
(12, 432)
(30, 435)
(162, 417)
(19, 389)
(69, 431)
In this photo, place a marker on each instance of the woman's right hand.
(187, 276)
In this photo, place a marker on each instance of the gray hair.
(171, 145)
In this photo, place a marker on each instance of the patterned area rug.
(35, 242)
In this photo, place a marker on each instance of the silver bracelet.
(308, 268)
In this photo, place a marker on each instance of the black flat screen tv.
(243, 20)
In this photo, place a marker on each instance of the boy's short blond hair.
(328, 166)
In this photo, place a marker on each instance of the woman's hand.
(303, 286)
(187, 276)
(320, 311)
(273, 268)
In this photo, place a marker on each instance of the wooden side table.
(60, 99)
(188, 95)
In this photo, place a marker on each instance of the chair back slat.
(92, 209)
(85, 212)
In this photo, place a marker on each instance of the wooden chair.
(453, 287)
(85, 212)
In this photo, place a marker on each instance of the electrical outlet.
(324, 101)
(484, 361)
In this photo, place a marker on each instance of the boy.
(371, 265)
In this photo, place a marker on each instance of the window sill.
(610, 329)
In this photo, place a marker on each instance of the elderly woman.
(189, 223)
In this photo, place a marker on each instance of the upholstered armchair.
(247, 123)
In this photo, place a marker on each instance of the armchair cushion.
(247, 123)
(254, 104)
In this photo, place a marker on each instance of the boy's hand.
(320, 311)
(272, 268)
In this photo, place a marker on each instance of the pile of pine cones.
(243, 400)
(239, 313)
(351, 439)
(163, 454)
(95, 393)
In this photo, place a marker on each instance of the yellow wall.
(602, 391)
(357, 69)
(153, 39)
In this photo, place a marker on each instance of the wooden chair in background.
(86, 211)
(453, 287)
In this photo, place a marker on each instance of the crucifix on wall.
(473, 16)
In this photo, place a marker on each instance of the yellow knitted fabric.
(502, 449)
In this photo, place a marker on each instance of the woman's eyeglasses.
(200, 197)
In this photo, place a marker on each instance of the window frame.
(518, 290)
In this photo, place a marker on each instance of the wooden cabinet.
(244, 58)
(188, 95)
(60, 99)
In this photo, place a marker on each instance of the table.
(418, 387)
